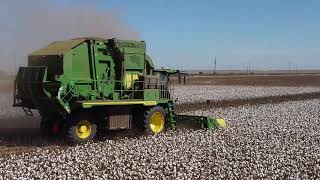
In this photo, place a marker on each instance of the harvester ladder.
(172, 116)
(69, 93)
(26, 110)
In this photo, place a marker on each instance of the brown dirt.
(6, 83)
(254, 80)
(241, 102)
(6, 87)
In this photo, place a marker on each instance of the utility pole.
(289, 63)
(249, 68)
(215, 65)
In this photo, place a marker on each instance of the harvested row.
(273, 141)
(255, 80)
(202, 93)
(207, 105)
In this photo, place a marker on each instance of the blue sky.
(265, 33)
(184, 34)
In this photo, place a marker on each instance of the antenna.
(289, 63)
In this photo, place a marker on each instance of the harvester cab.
(85, 84)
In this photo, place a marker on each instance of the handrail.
(166, 89)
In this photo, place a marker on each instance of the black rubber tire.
(147, 117)
(46, 127)
(72, 127)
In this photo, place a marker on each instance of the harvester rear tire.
(45, 128)
(81, 128)
(49, 128)
(155, 120)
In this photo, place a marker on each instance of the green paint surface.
(97, 70)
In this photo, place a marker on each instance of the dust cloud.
(28, 25)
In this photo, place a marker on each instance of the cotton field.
(261, 141)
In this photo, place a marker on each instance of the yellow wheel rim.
(83, 129)
(157, 122)
(221, 122)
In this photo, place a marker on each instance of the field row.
(202, 93)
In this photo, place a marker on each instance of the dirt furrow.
(241, 102)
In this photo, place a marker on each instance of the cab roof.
(61, 47)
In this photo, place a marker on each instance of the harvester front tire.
(155, 120)
(82, 128)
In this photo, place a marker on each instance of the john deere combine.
(82, 85)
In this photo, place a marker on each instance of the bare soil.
(253, 80)
(241, 102)
(6, 87)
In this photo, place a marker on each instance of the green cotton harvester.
(83, 85)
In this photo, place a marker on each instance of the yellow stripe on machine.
(130, 79)
(89, 104)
